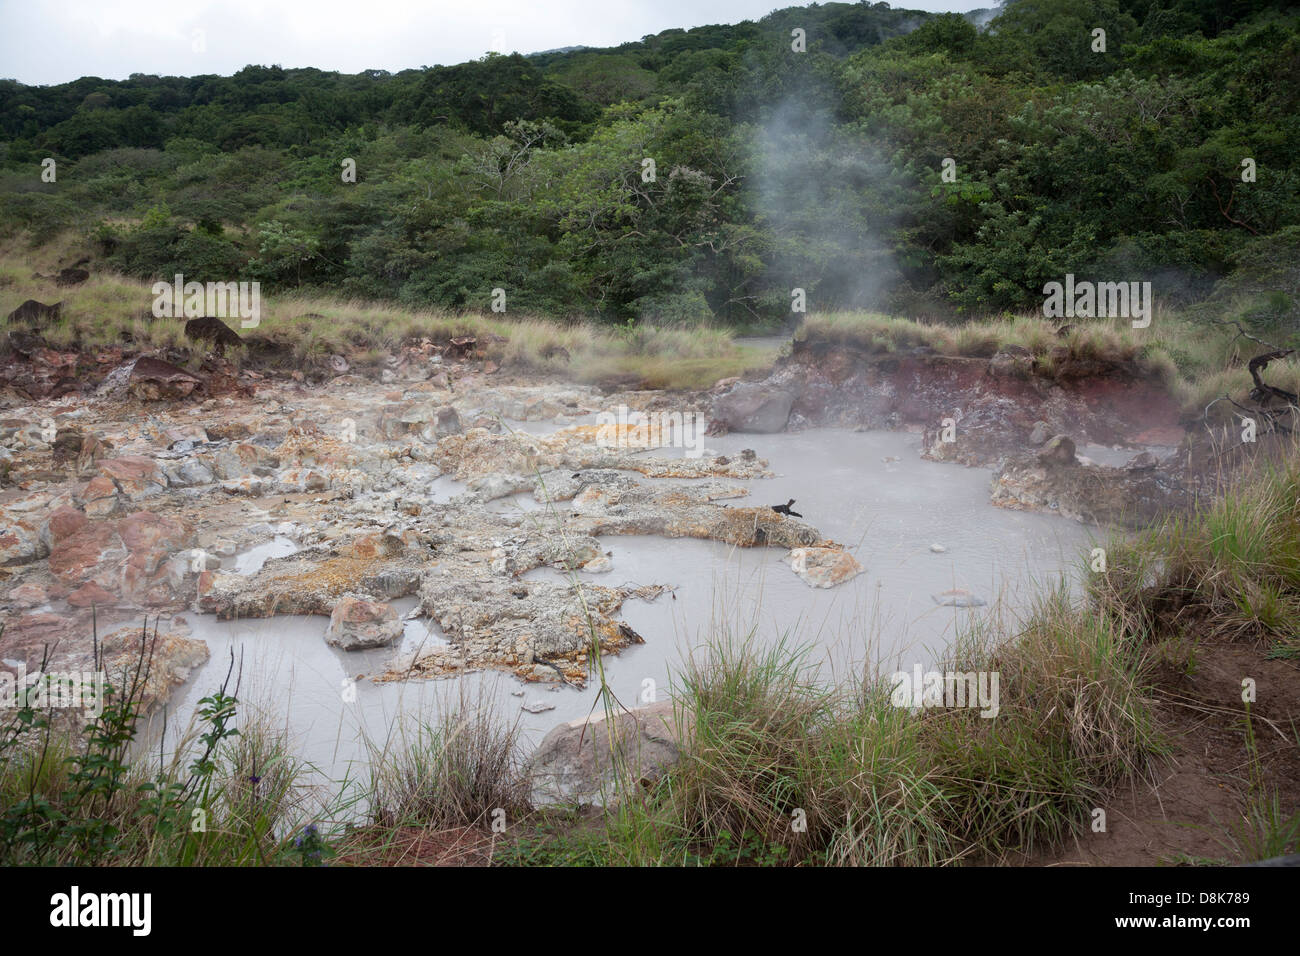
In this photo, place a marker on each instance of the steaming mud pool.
(918, 528)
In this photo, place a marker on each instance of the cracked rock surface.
(151, 501)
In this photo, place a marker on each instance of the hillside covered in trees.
(701, 175)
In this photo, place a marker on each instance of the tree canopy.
(898, 159)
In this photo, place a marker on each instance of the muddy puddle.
(917, 527)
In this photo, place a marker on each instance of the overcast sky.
(53, 41)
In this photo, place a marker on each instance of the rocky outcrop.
(993, 406)
(479, 452)
(153, 659)
(824, 567)
(134, 476)
(24, 528)
(356, 624)
(353, 466)
(126, 558)
(148, 379)
(1128, 497)
(310, 582)
(169, 657)
(541, 630)
(590, 761)
(751, 407)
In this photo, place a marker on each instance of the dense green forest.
(772, 167)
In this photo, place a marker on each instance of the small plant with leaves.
(312, 850)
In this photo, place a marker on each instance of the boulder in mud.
(580, 761)
(824, 567)
(958, 597)
(1059, 451)
(357, 623)
(752, 407)
(1097, 494)
(164, 659)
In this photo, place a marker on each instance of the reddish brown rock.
(123, 557)
(100, 497)
(90, 594)
(380, 545)
(82, 554)
(357, 623)
(150, 539)
(65, 522)
(135, 476)
(29, 594)
(153, 380)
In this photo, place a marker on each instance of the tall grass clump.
(1072, 722)
(1231, 569)
(779, 767)
(455, 773)
(754, 715)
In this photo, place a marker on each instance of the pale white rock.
(823, 567)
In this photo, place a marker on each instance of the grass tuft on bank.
(1197, 360)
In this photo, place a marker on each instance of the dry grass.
(114, 310)
(463, 771)
(1198, 361)
(781, 768)
(1232, 570)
